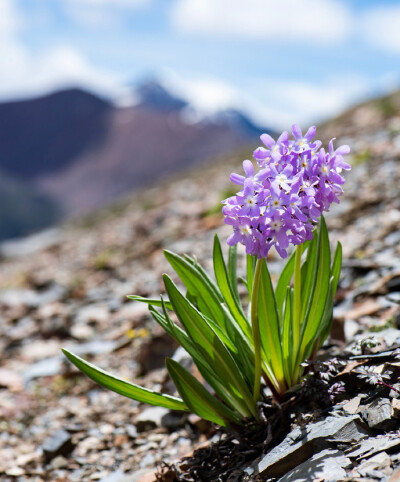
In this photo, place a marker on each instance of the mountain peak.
(153, 95)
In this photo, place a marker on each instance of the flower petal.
(297, 134)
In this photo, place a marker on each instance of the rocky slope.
(67, 288)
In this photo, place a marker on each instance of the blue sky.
(283, 61)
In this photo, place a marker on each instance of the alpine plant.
(279, 205)
(236, 341)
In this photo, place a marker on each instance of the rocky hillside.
(68, 287)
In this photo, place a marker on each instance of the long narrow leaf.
(269, 323)
(207, 369)
(321, 289)
(197, 398)
(150, 301)
(250, 267)
(283, 283)
(232, 262)
(205, 277)
(288, 350)
(221, 275)
(309, 274)
(208, 302)
(206, 339)
(336, 267)
(123, 387)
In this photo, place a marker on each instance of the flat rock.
(396, 407)
(150, 418)
(32, 244)
(116, 476)
(59, 443)
(373, 445)
(351, 407)
(173, 420)
(377, 466)
(302, 443)
(379, 415)
(328, 465)
(43, 368)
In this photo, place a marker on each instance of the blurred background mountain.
(80, 130)
(69, 152)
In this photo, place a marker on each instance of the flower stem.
(256, 329)
(389, 386)
(297, 296)
(296, 314)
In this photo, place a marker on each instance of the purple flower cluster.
(280, 204)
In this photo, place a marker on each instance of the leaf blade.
(197, 397)
(123, 387)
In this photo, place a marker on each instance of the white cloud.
(380, 27)
(314, 20)
(24, 73)
(59, 67)
(101, 13)
(207, 94)
(271, 103)
(9, 20)
(307, 102)
(112, 3)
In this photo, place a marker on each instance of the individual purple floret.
(279, 205)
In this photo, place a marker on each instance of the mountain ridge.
(82, 151)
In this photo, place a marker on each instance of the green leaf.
(250, 268)
(207, 370)
(288, 352)
(320, 291)
(197, 398)
(237, 338)
(211, 346)
(309, 274)
(326, 320)
(284, 282)
(269, 323)
(232, 262)
(205, 277)
(336, 267)
(167, 324)
(123, 387)
(221, 275)
(241, 348)
(150, 301)
(208, 301)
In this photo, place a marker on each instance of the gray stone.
(379, 415)
(182, 357)
(16, 248)
(328, 465)
(59, 462)
(59, 443)
(93, 347)
(377, 466)
(43, 368)
(147, 461)
(302, 443)
(131, 431)
(150, 418)
(394, 297)
(173, 420)
(31, 298)
(373, 445)
(116, 476)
